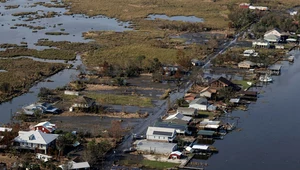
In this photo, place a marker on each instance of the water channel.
(73, 24)
(269, 129)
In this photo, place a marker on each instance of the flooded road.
(269, 137)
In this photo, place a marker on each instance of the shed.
(275, 69)
(155, 147)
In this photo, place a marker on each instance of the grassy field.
(157, 164)
(243, 83)
(22, 73)
(121, 100)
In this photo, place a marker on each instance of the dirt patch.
(9, 160)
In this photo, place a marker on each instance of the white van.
(43, 157)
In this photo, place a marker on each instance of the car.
(129, 150)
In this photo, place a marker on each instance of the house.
(42, 107)
(45, 127)
(208, 92)
(75, 166)
(248, 53)
(261, 8)
(72, 93)
(35, 140)
(246, 64)
(199, 104)
(275, 69)
(261, 43)
(179, 116)
(180, 127)
(155, 147)
(161, 134)
(222, 83)
(275, 35)
(83, 102)
(279, 46)
(189, 97)
(175, 155)
(209, 124)
(187, 111)
(206, 133)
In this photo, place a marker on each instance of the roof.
(200, 147)
(272, 38)
(249, 51)
(234, 100)
(51, 127)
(201, 101)
(206, 132)
(275, 29)
(79, 165)
(176, 153)
(209, 122)
(247, 62)
(158, 147)
(186, 111)
(161, 131)
(179, 116)
(275, 67)
(84, 99)
(37, 137)
(3, 129)
(171, 125)
(229, 83)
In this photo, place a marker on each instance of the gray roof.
(186, 111)
(199, 101)
(161, 131)
(156, 147)
(171, 125)
(275, 67)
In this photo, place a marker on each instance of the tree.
(63, 141)
(44, 93)
(116, 130)
(5, 87)
(95, 152)
(225, 93)
(183, 60)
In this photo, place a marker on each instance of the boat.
(265, 78)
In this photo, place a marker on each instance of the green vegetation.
(44, 54)
(243, 83)
(121, 100)
(21, 74)
(157, 164)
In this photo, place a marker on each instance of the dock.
(184, 164)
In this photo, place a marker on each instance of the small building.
(261, 44)
(45, 127)
(199, 104)
(179, 116)
(234, 100)
(246, 64)
(75, 166)
(83, 102)
(261, 8)
(244, 5)
(275, 69)
(175, 155)
(187, 111)
(155, 147)
(72, 93)
(279, 46)
(161, 134)
(248, 53)
(32, 140)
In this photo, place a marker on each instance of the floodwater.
(75, 25)
(269, 138)
(176, 18)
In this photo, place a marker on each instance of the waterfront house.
(275, 35)
(246, 64)
(187, 111)
(210, 124)
(161, 134)
(222, 83)
(155, 147)
(45, 127)
(260, 43)
(199, 104)
(34, 140)
(206, 133)
(83, 102)
(275, 69)
(42, 107)
(248, 95)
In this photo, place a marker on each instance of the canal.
(269, 136)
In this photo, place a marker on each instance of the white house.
(161, 134)
(261, 43)
(83, 102)
(34, 140)
(199, 104)
(210, 124)
(273, 36)
(75, 166)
